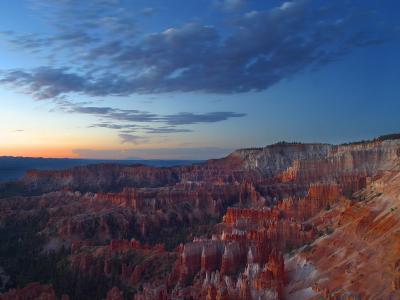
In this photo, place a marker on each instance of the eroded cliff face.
(33, 290)
(289, 221)
(105, 177)
(273, 160)
(360, 257)
(312, 162)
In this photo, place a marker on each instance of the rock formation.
(288, 221)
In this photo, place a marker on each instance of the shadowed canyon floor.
(288, 221)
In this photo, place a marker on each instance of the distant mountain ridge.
(13, 168)
(282, 154)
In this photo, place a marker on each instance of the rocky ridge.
(305, 200)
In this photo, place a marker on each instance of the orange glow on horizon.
(39, 152)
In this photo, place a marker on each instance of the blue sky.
(194, 79)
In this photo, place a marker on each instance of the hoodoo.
(288, 221)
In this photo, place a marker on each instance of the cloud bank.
(259, 49)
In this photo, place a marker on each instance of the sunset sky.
(194, 79)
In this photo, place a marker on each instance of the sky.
(194, 79)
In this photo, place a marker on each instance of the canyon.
(287, 221)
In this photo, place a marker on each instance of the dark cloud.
(262, 48)
(191, 118)
(132, 115)
(45, 83)
(92, 110)
(76, 27)
(164, 130)
(126, 127)
(123, 120)
(132, 139)
(128, 115)
(129, 128)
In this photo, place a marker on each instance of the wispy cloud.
(185, 118)
(132, 115)
(129, 128)
(163, 130)
(115, 126)
(125, 120)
